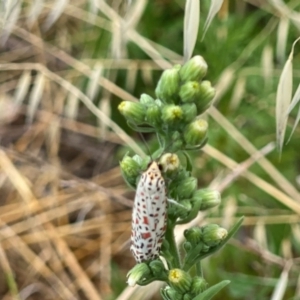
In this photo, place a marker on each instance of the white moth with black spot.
(149, 216)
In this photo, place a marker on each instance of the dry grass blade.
(263, 185)
(267, 65)
(93, 6)
(34, 11)
(224, 83)
(15, 177)
(191, 26)
(71, 107)
(93, 86)
(58, 8)
(9, 275)
(282, 34)
(22, 87)
(36, 95)
(135, 13)
(234, 133)
(36, 262)
(260, 235)
(11, 15)
(131, 78)
(215, 6)
(238, 93)
(105, 107)
(280, 288)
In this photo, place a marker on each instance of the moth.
(149, 216)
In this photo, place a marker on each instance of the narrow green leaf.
(189, 165)
(140, 128)
(199, 146)
(213, 290)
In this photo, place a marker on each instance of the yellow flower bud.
(172, 114)
(209, 198)
(195, 133)
(213, 234)
(133, 111)
(180, 280)
(194, 69)
(205, 96)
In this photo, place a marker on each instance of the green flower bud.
(187, 297)
(172, 114)
(172, 294)
(145, 162)
(137, 273)
(184, 209)
(205, 248)
(170, 163)
(138, 159)
(213, 234)
(133, 111)
(158, 102)
(165, 245)
(189, 92)
(195, 133)
(176, 142)
(180, 280)
(186, 188)
(157, 268)
(146, 100)
(168, 85)
(194, 69)
(193, 235)
(209, 198)
(187, 246)
(130, 169)
(153, 115)
(189, 112)
(205, 96)
(198, 286)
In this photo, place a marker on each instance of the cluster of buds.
(182, 286)
(183, 189)
(131, 168)
(144, 273)
(181, 96)
(202, 242)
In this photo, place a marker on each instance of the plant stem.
(199, 269)
(175, 263)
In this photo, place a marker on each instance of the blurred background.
(65, 210)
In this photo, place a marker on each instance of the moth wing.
(143, 235)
